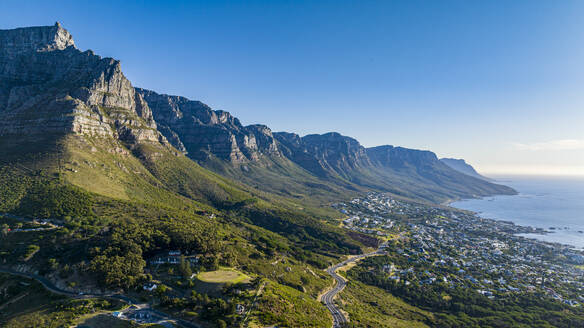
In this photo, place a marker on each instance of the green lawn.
(223, 275)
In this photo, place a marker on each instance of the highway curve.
(339, 318)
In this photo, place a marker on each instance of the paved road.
(45, 282)
(339, 318)
(52, 288)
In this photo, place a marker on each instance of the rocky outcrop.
(202, 132)
(49, 86)
(292, 146)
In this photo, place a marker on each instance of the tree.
(119, 271)
(161, 290)
(229, 258)
(210, 263)
(185, 267)
(5, 230)
(221, 324)
(53, 264)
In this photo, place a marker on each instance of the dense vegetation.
(53, 200)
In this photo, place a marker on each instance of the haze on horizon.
(497, 83)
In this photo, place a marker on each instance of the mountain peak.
(35, 39)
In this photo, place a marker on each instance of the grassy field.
(223, 275)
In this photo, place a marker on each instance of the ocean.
(555, 204)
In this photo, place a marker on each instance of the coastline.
(548, 205)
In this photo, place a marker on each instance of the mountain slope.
(461, 166)
(106, 139)
(202, 132)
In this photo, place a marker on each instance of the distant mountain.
(325, 155)
(408, 172)
(461, 166)
(249, 154)
(421, 173)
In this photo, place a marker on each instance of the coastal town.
(438, 244)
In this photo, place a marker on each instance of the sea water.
(555, 204)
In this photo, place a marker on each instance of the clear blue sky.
(499, 83)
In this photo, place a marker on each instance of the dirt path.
(16, 299)
(253, 303)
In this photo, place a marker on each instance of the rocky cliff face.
(48, 86)
(326, 154)
(202, 132)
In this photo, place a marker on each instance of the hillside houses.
(443, 245)
(173, 257)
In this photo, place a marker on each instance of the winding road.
(339, 318)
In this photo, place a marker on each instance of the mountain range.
(258, 156)
(48, 87)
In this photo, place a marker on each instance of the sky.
(498, 83)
